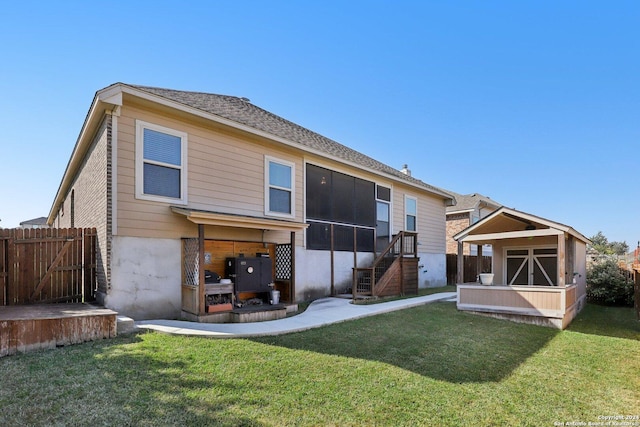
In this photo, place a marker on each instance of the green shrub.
(606, 284)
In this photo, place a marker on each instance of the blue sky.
(535, 104)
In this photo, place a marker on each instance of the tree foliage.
(603, 246)
(608, 285)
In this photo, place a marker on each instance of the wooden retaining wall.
(37, 327)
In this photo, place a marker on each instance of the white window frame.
(139, 173)
(406, 214)
(268, 186)
(388, 203)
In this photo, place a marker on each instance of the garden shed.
(538, 272)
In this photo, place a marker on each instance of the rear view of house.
(176, 180)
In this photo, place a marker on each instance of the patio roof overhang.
(202, 217)
(490, 237)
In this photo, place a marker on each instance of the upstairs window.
(279, 192)
(411, 213)
(160, 163)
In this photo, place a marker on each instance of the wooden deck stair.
(393, 272)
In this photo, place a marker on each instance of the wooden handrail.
(384, 255)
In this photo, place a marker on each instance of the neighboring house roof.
(471, 202)
(507, 223)
(236, 112)
(36, 221)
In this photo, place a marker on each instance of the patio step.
(124, 325)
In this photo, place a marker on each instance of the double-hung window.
(383, 216)
(279, 194)
(160, 163)
(411, 213)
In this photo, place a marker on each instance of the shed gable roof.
(509, 223)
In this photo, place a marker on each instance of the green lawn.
(430, 365)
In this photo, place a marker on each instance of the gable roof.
(35, 221)
(232, 111)
(507, 223)
(470, 202)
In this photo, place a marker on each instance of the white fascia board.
(113, 99)
(460, 211)
(510, 235)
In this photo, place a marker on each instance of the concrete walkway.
(321, 312)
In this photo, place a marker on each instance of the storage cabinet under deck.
(218, 297)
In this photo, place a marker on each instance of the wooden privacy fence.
(470, 268)
(636, 293)
(47, 265)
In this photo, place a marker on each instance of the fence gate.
(47, 265)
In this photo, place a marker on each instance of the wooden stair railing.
(365, 279)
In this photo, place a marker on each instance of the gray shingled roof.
(470, 201)
(35, 221)
(242, 111)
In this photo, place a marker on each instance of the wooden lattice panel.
(283, 262)
(190, 258)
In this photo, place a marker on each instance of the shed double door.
(532, 266)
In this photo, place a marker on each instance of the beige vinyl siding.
(225, 174)
(433, 224)
(397, 209)
(515, 297)
(431, 219)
